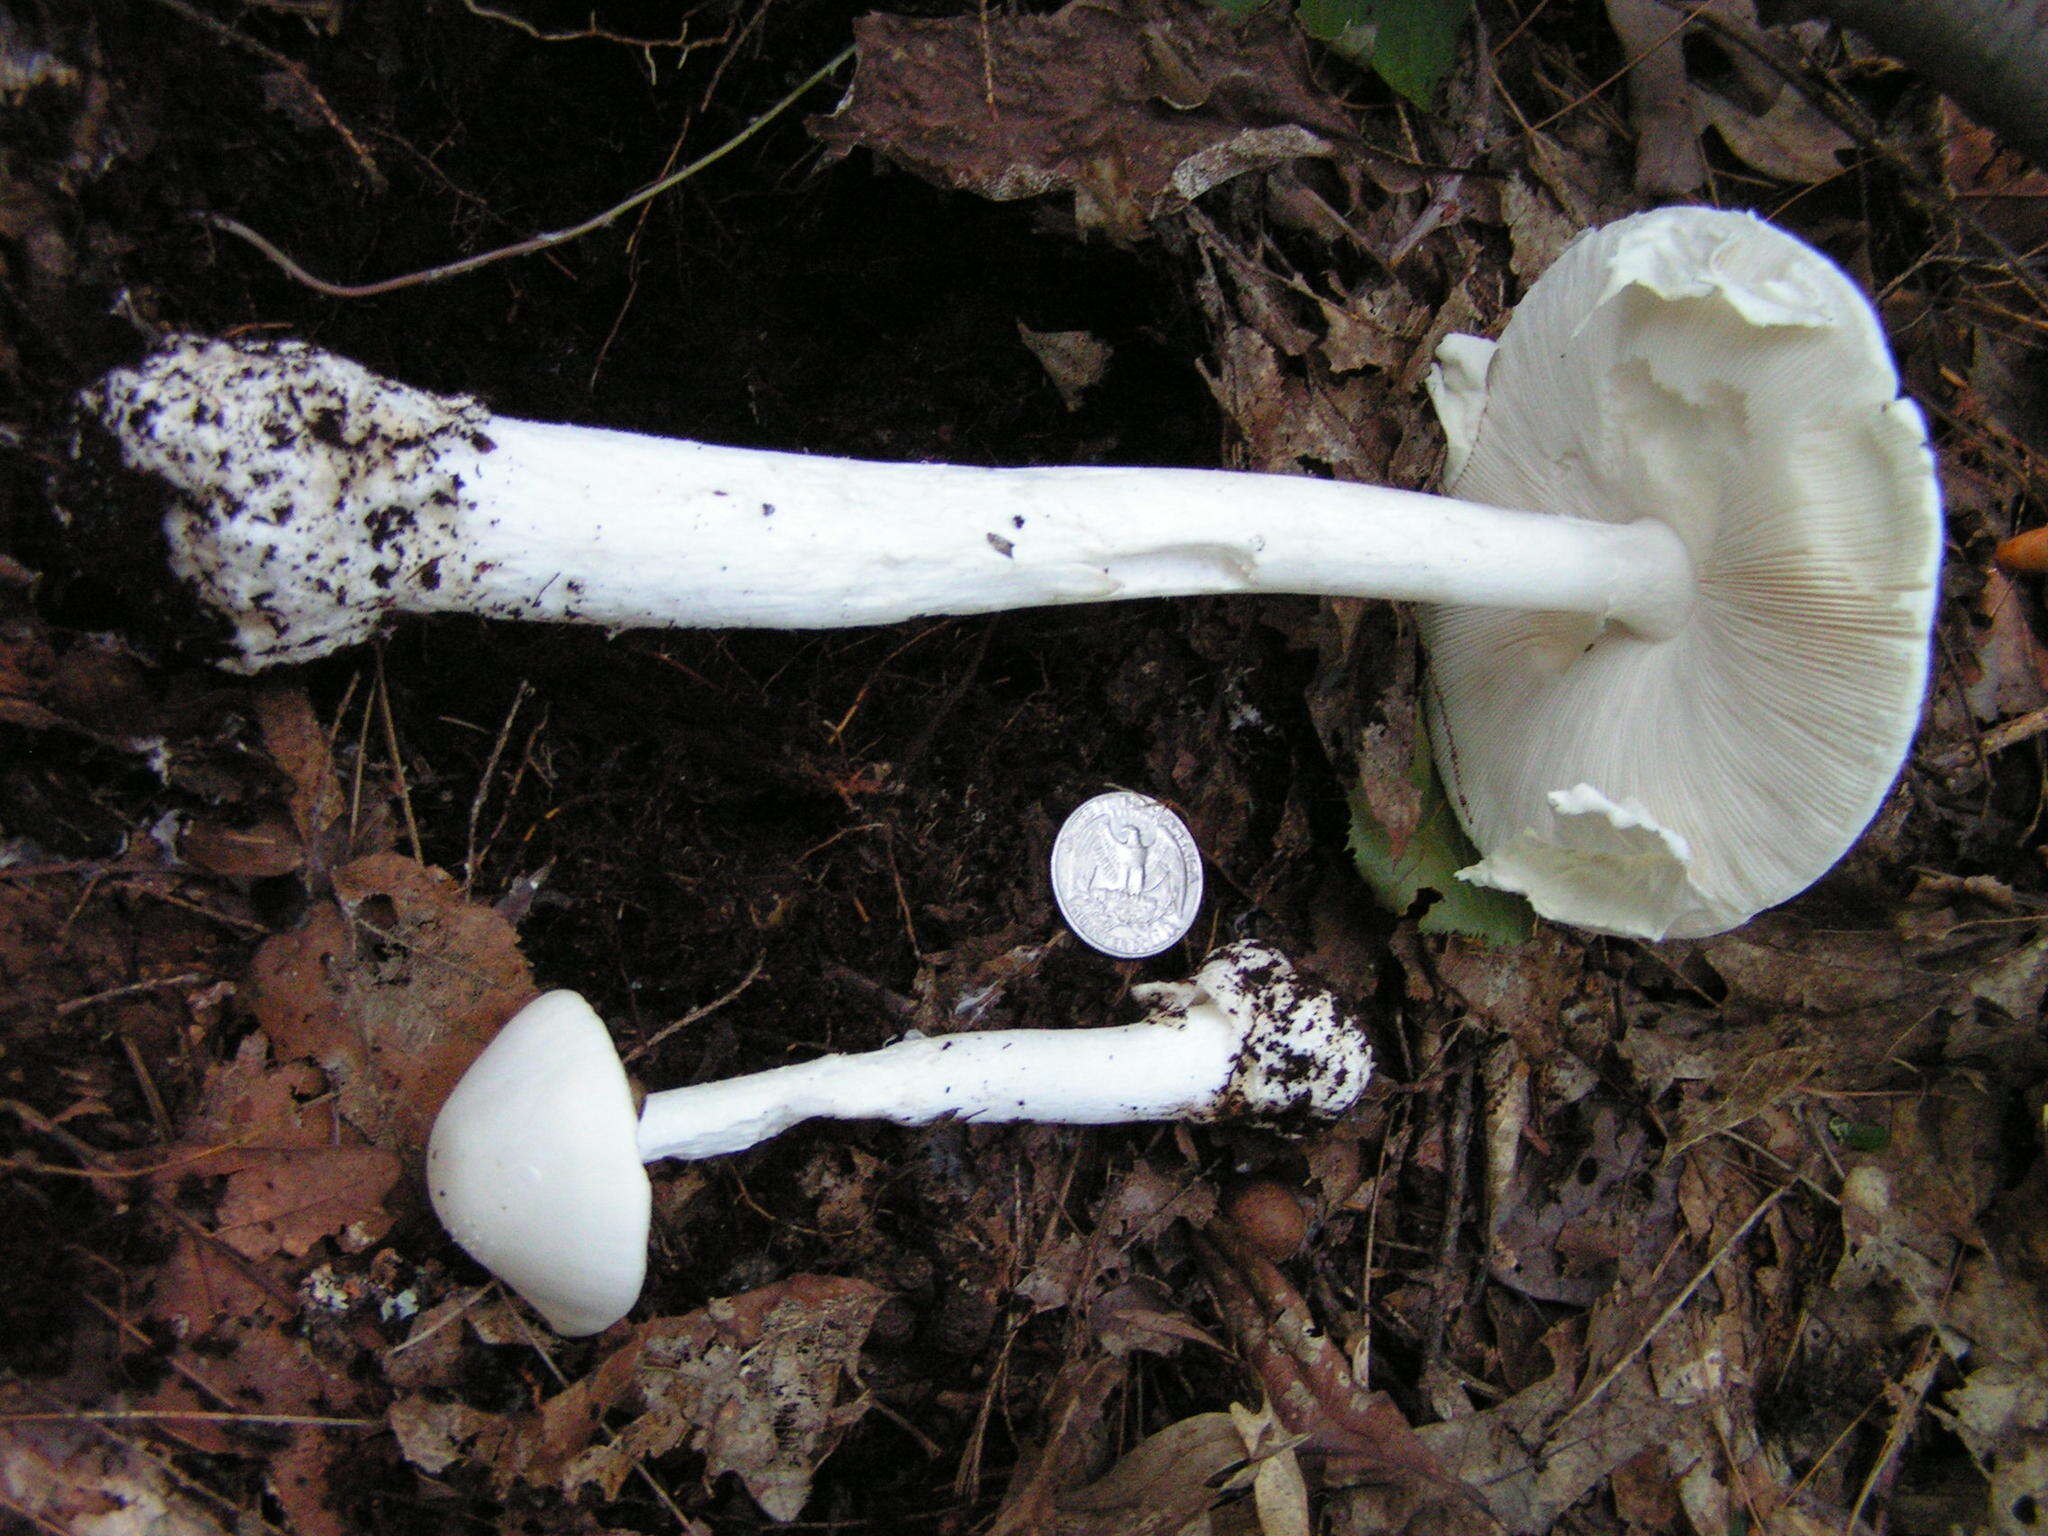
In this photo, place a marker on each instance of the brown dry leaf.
(1072, 1440)
(752, 1381)
(1138, 1206)
(1075, 361)
(2011, 664)
(1926, 1228)
(1562, 1234)
(1660, 99)
(1998, 186)
(71, 1477)
(1538, 228)
(1782, 136)
(1162, 1482)
(237, 1342)
(1286, 424)
(393, 988)
(1530, 1471)
(435, 1435)
(297, 743)
(1375, 327)
(1995, 1329)
(1521, 988)
(1768, 124)
(1134, 107)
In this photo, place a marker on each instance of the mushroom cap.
(534, 1166)
(1709, 370)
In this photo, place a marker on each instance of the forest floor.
(1737, 1234)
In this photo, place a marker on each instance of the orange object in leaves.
(2024, 552)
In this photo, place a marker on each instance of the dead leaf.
(1163, 1482)
(393, 988)
(71, 1477)
(2011, 663)
(753, 1382)
(1786, 137)
(1998, 186)
(1072, 1438)
(1660, 99)
(1075, 361)
(1132, 107)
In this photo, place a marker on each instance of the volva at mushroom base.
(1677, 615)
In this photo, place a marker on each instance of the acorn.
(1270, 1215)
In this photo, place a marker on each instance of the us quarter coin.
(1126, 874)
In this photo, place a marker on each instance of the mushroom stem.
(535, 1163)
(305, 498)
(686, 534)
(1102, 1076)
(1245, 1036)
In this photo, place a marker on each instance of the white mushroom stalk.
(535, 1163)
(310, 500)
(1677, 612)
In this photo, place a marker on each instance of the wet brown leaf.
(1133, 107)
(393, 988)
(754, 1382)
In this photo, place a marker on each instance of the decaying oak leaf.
(753, 1382)
(1132, 107)
(294, 1174)
(1164, 1481)
(75, 1477)
(393, 988)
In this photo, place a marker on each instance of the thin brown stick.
(291, 66)
(591, 33)
(383, 696)
(526, 247)
(702, 1011)
(1671, 1310)
(64, 1010)
(483, 783)
(183, 1416)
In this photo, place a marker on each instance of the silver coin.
(1127, 875)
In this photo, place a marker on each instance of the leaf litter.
(1739, 1233)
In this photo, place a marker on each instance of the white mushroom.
(1726, 516)
(534, 1165)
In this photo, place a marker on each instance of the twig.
(412, 827)
(297, 71)
(183, 1415)
(77, 1004)
(699, 1012)
(1910, 1394)
(483, 783)
(591, 33)
(534, 243)
(1613, 1372)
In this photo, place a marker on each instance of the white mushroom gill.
(1710, 370)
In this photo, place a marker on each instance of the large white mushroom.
(1680, 606)
(535, 1162)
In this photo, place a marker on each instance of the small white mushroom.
(1679, 611)
(535, 1163)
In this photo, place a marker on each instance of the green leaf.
(1410, 44)
(1434, 854)
(1857, 1135)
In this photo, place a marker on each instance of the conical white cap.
(1710, 370)
(534, 1166)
